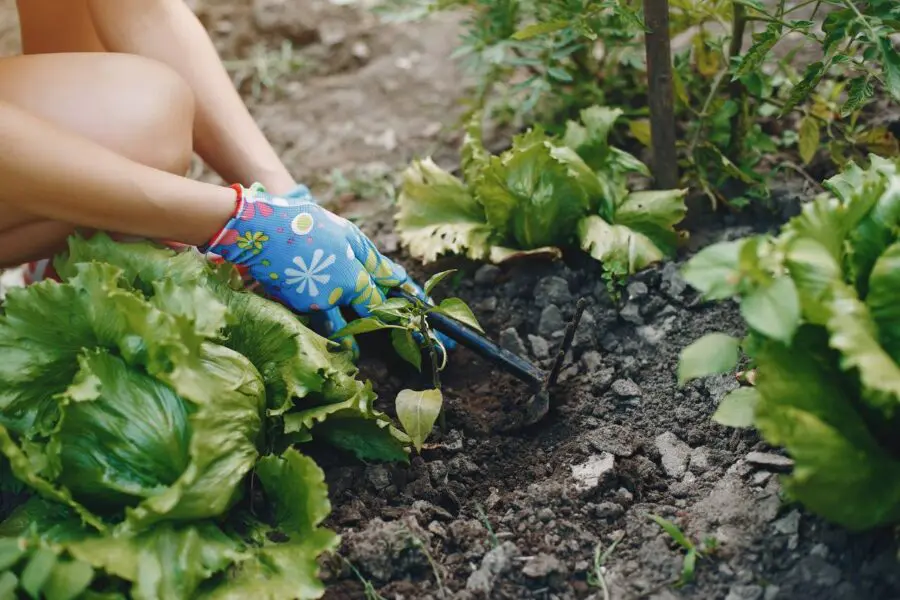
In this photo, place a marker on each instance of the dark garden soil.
(492, 509)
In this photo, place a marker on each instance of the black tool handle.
(481, 345)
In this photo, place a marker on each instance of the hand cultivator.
(539, 381)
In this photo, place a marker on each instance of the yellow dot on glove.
(335, 295)
(362, 280)
(371, 261)
(384, 269)
(302, 224)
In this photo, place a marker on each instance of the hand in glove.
(309, 258)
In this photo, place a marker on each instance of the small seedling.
(597, 579)
(369, 590)
(693, 552)
(411, 335)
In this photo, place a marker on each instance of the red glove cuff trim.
(238, 209)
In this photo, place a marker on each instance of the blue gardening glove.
(309, 258)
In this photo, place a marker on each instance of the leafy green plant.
(411, 336)
(142, 397)
(820, 301)
(541, 194)
(692, 551)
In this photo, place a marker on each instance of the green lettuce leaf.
(437, 214)
(288, 569)
(841, 471)
(531, 197)
(653, 214)
(883, 300)
(590, 139)
(617, 244)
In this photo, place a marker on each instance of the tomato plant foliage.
(822, 303)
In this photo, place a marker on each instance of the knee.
(164, 123)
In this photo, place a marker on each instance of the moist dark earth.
(492, 509)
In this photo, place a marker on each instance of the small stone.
(545, 515)
(510, 340)
(637, 290)
(699, 459)
(551, 324)
(615, 439)
(591, 361)
(673, 452)
(361, 50)
(487, 305)
(378, 476)
(584, 334)
(626, 388)
(496, 562)
(760, 478)
(462, 465)
(719, 385)
(552, 291)
(745, 592)
(768, 460)
(602, 379)
(588, 475)
(772, 592)
(631, 312)
(487, 275)
(609, 510)
(673, 284)
(540, 348)
(788, 524)
(438, 472)
(542, 566)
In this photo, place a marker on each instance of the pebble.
(551, 324)
(540, 348)
(487, 275)
(510, 340)
(631, 312)
(773, 461)
(745, 592)
(673, 284)
(584, 334)
(699, 459)
(673, 452)
(591, 361)
(788, 524)
(545, 515)
(378, 476)
(496, 562)
(637, 290)
(488, 304)
(543, 565)
(552, 290)
(588, 475)
(626, 388)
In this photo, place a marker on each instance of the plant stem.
(435, 374)
(658, 46)
(736, 89)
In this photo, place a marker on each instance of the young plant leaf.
(436, 279)
(364, 325)
(808, 138)
(738, 408)
(457, 309)
(674, 531)
(714, 270)
(407, 347)
(713, 353)
(418, 411)
(773, 309)
(538, 29)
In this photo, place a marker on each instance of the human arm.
(225, 134)
(58, 176)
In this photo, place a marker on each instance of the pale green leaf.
(737, 408)
(406, 347)
(883, 299)
(654, 214)
(68, 580)
(359, 326)
(714, 271)
(435, 279)
(773, 309)
(711, 354)
(814, 270)
(417, 412)
(539, 29)
(459, 310)
(617, 244)
(37, 571)
(808, 138)
(437, 215)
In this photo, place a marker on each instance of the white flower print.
(308, 276)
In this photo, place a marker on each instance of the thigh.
(134, 106)
(57, 26)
